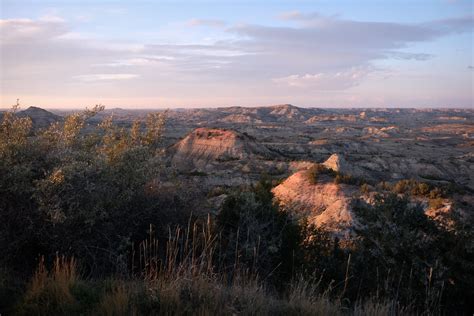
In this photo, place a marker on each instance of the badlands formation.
(211, 152)
(203, 147)
(325, 203)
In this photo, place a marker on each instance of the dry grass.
(116, 302)
(188, 281)
(51, 290)
(185, 281)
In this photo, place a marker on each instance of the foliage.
(417, 188)
(401, 253)
(364, 188)
(256, 234)
(318, 169)
(77, 191)
(348, 179)
(321, 257)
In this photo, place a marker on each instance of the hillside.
(204, 146)
(40, 117)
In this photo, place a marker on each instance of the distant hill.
(238, 115)
(40, 117)
(288, 112)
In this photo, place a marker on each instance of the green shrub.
(267, 237)
(399, 243)
(90, 193)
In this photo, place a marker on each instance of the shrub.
(436, 203)
(83, 193)
(364, 188)
(348, 179)
(401, 187)
(316, 170)
(384, 186)
(416, 188)
(413, 256)
(420, 188)
(344, 178)
(267, 237)
(435, 193)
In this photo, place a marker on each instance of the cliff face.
(206, 145)
(324, 203)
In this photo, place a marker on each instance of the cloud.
(326, 81)
(452, 25)
(138, 61)
(410, 56)
(320, 53)
(105, 77)
(297, 15)
(53, 47)
(27, 30)
(329, 45)
(206, 22)
(311, 19)
(338, 34)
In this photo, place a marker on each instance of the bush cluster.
(418, 188)
(319, 169)
(90, 195)
(420, 262)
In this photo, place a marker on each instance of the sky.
(162, 54)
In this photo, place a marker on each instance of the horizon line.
(21, 108)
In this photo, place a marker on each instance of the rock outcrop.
(339, 164)
(205, 146)
(323, 204)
